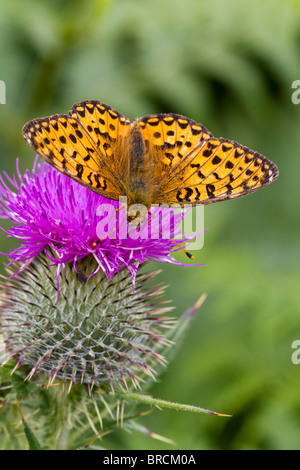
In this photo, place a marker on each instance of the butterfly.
(158, 159)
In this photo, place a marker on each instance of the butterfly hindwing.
(221, 169)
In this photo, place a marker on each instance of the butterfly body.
(139, 179)
(162, 158)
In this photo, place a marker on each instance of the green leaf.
(31, 439)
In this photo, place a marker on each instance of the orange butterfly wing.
(82, 144)
(220, 170)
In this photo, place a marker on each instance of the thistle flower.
(50, 210)
(98, 333)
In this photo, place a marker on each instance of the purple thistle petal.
(49, 209)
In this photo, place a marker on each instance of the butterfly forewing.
(105, 126)
(76, 149)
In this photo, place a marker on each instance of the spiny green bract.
(80, 329)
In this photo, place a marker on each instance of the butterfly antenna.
(189, 255)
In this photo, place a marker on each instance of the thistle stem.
(62, 433)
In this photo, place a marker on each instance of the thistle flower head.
(68, 312)
(50, 210)
(100, 332)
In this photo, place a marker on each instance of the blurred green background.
(229, 65)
